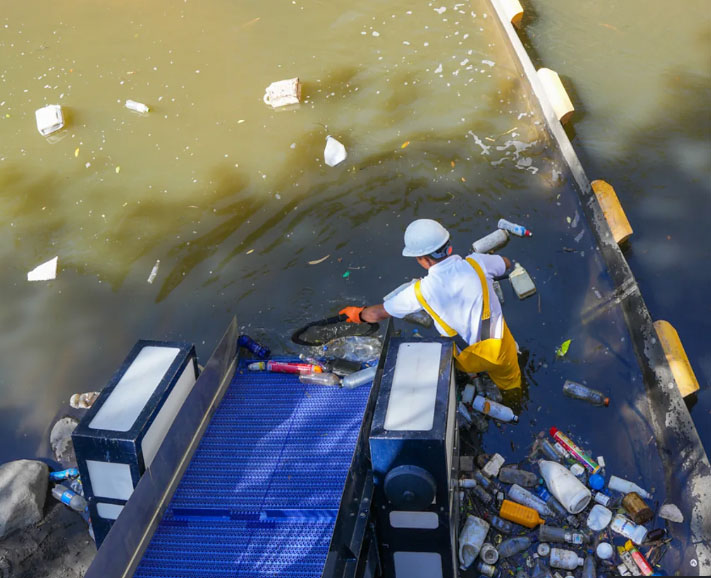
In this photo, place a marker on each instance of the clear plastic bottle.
(548, 533)
(485, 497)
(493, 409)
(330, 379)
(491, 242)
(487, 389)
(482, 480)
(512, 546)
(550, 450)
(359, 378)
(503, 526)
(585, 393)
(521, 496)
(68, 497)
(421, 318)
(554, 505)
(137, 106)
(518, 230)
(541, 569)
(589, 567)
(513, 475)
(353, 348)
(625, 487)
(250, 344)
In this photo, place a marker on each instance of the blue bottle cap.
(596, 481)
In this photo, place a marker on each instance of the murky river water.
(640, 77)
(234, 199)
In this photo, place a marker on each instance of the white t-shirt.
(452, 289)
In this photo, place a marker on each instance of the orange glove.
(353, 314)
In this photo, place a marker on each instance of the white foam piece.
(134, 389)
(414, 388)
(44, 272)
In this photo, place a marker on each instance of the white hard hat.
(424, 236)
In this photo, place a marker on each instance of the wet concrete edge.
(686, 465)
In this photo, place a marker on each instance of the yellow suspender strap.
(485, 309)
(420, 298)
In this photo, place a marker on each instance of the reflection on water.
(231, 196)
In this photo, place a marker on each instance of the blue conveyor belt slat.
(261, 494)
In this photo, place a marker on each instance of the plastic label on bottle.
(67, 496)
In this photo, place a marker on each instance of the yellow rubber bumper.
(612, 209)
(676, 357)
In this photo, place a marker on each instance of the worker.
(458, 294)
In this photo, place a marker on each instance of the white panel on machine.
(110, 480)
(162, 422)
(417, 565)
(414, 388)
(134, 389)
(415, 520)
(108, 511)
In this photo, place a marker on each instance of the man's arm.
(374, 313)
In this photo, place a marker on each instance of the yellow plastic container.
(519, 514)
(612, 209)
(676, 357)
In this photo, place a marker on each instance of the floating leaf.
(321, 260)
(563, 349)
(404, 145)
(346, 274)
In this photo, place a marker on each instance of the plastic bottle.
(493, 409)
(471, 539)
(548, 533)
(540, 569)
(353, 348)
(543, 549)
(512, 546)
(572, 448)
(585, 393)
(250, 344)
(637, 508)
(284, 367)
(520, 514)
(518, 230)
(625, 487)
(154, 272)
(565, 559)
(512, 475)
(359, 378)
(492, 467)
(464, 418)
(488, 389)
(639, 559)
(589, 567)
(503, 526)
(320, 379)
(491, 242)
(599, 518)
(521, 282)
(521, 496)
(421, 318)
(482, 480)
(468, 393)
(334, 153)
(485, 569)
(602, 499)
(136, 106)
(628, 529)
(68, 497)
(488, 553)
(568, 490)
(553, 452)
(553, 505)
(484, 497)
(499, 292)
(63, 474)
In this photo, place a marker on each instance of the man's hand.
(353, 314)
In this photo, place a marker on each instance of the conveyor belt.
(261, 494)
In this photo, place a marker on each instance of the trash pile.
(346, 362)
(68, 490)
(554, 512)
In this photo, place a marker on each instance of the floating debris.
(44, 272)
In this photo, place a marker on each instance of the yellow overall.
(497, 357)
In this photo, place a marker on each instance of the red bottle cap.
(606, 401)
(553, 431)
